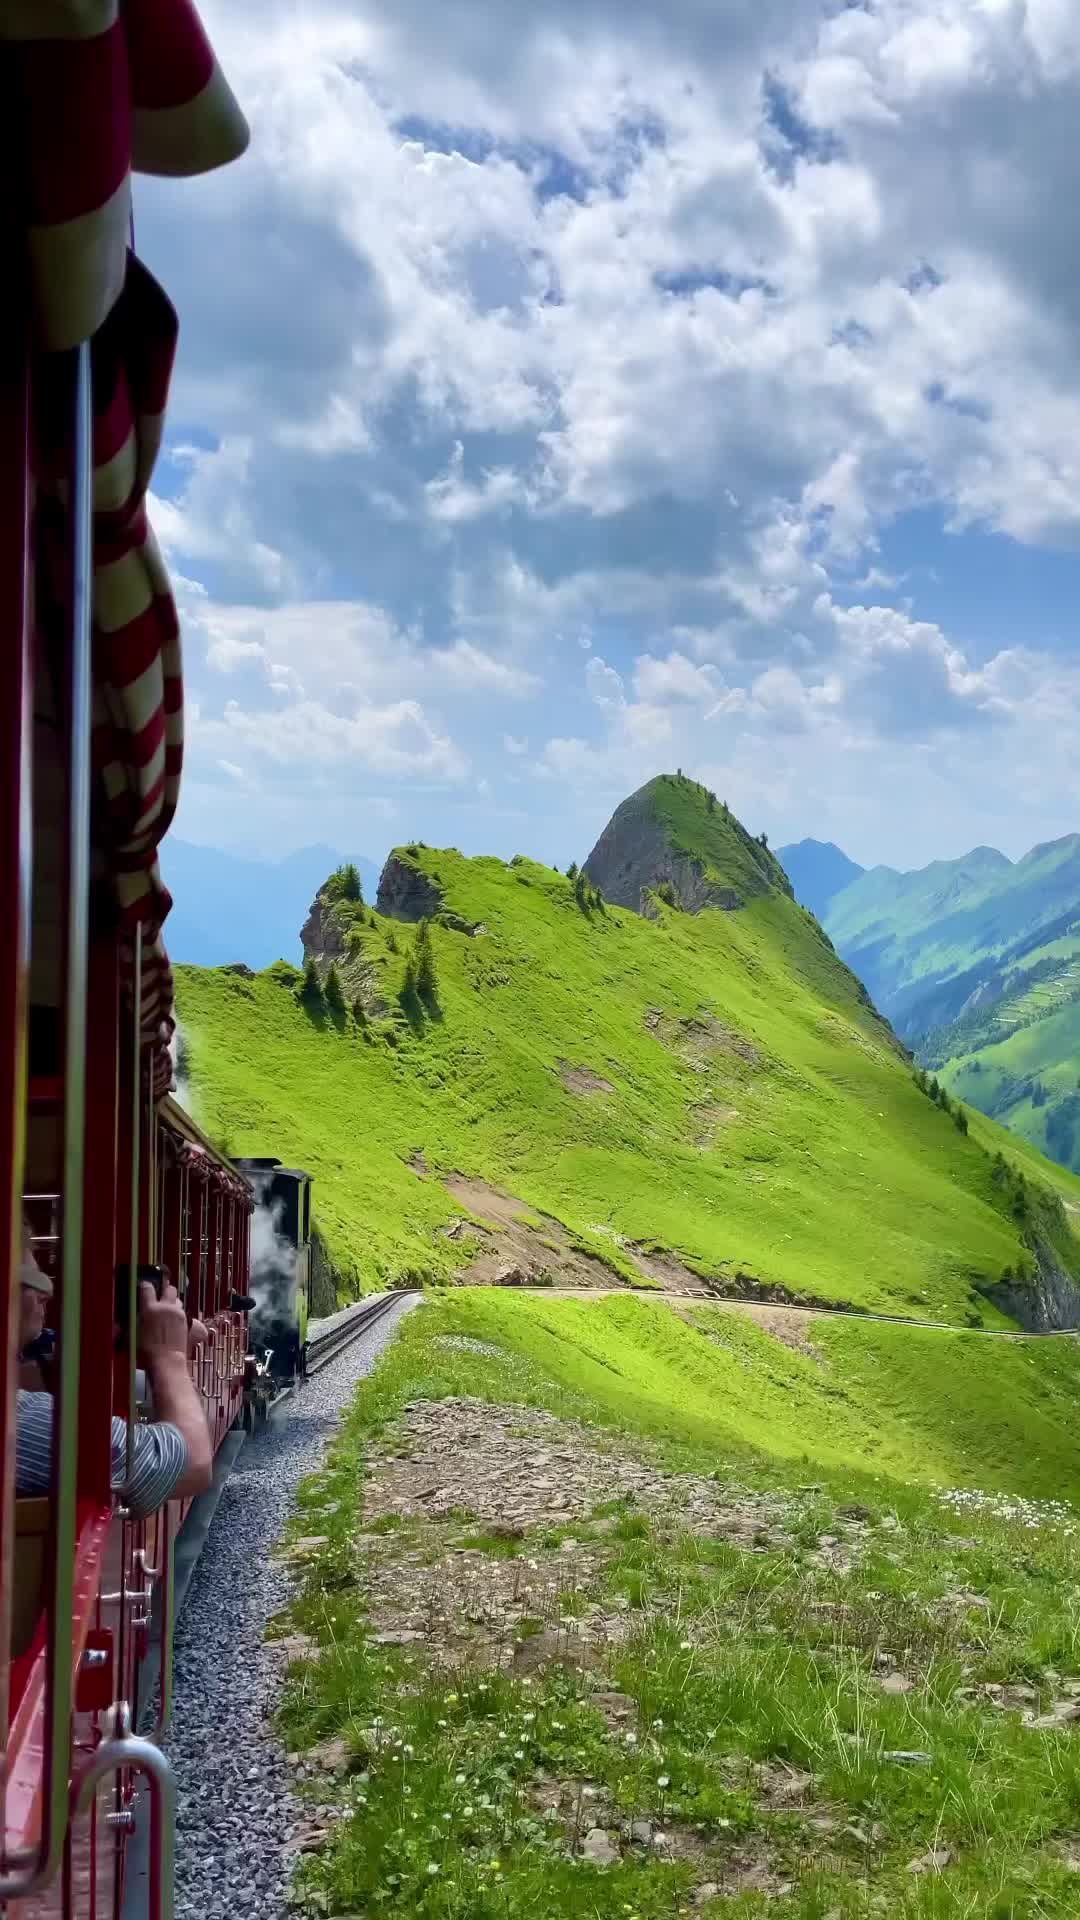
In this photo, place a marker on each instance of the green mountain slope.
(977, 963)
(714, 1085)
(1021, 1065)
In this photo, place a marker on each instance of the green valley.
(977, 964)
(580, 1093)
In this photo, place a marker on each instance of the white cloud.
(399, 739)
(346, 647)
(604, 684)
(468, 668)
(626, 332)
(675, 678)
(212, 519)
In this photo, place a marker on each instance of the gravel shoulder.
(235, 1809)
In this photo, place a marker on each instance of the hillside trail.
(777, 1319)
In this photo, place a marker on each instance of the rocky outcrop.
(406, 892)
(332, 1286)
(322, 936)
(634, 857)
(1047, 1301)
(457, 923)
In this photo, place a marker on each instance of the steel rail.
(326, 1346)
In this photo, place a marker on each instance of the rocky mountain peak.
(673, 837)
(406, 892)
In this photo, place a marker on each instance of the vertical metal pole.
(16, 859)
(100, 1213)
(196, 1264)
(16, 854)
(61, 1576)
(66, 1401)
(136, 1149)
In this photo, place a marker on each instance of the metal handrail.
(168, 1609)
(125, 1749)
(36, 1866)
(139, 1559)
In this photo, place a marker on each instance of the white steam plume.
(178, 1054)
(273, 1258)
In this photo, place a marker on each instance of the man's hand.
(162, 1326)
(197, 1337)
(163, 1349)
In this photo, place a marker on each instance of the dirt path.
(513, 1244)
(772, 1317)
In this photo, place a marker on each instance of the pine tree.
(310, 991)
(571, 871)
(408, 985)
(332, 994)
(359, 1012)
(426, 982)
(344, 884)
(581, 889)
(391, 941)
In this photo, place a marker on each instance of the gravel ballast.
(234, 1806)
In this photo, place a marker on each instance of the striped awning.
(96, 90)
(103, 90)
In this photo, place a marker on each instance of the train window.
(306, 1234)
(34, 1357)
(35, 1337)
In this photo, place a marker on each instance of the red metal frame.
(15, 811)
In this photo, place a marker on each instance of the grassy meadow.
(865, 1707)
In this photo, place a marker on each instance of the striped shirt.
(160, 1458)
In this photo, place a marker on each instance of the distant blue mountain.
(818, 871)
(226, 908)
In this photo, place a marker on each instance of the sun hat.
(32, 1276)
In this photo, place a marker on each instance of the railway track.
(327, 1338)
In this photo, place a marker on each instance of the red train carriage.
(110, 1174)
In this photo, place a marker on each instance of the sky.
(571, 392)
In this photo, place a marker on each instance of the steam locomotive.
(280, 1276)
